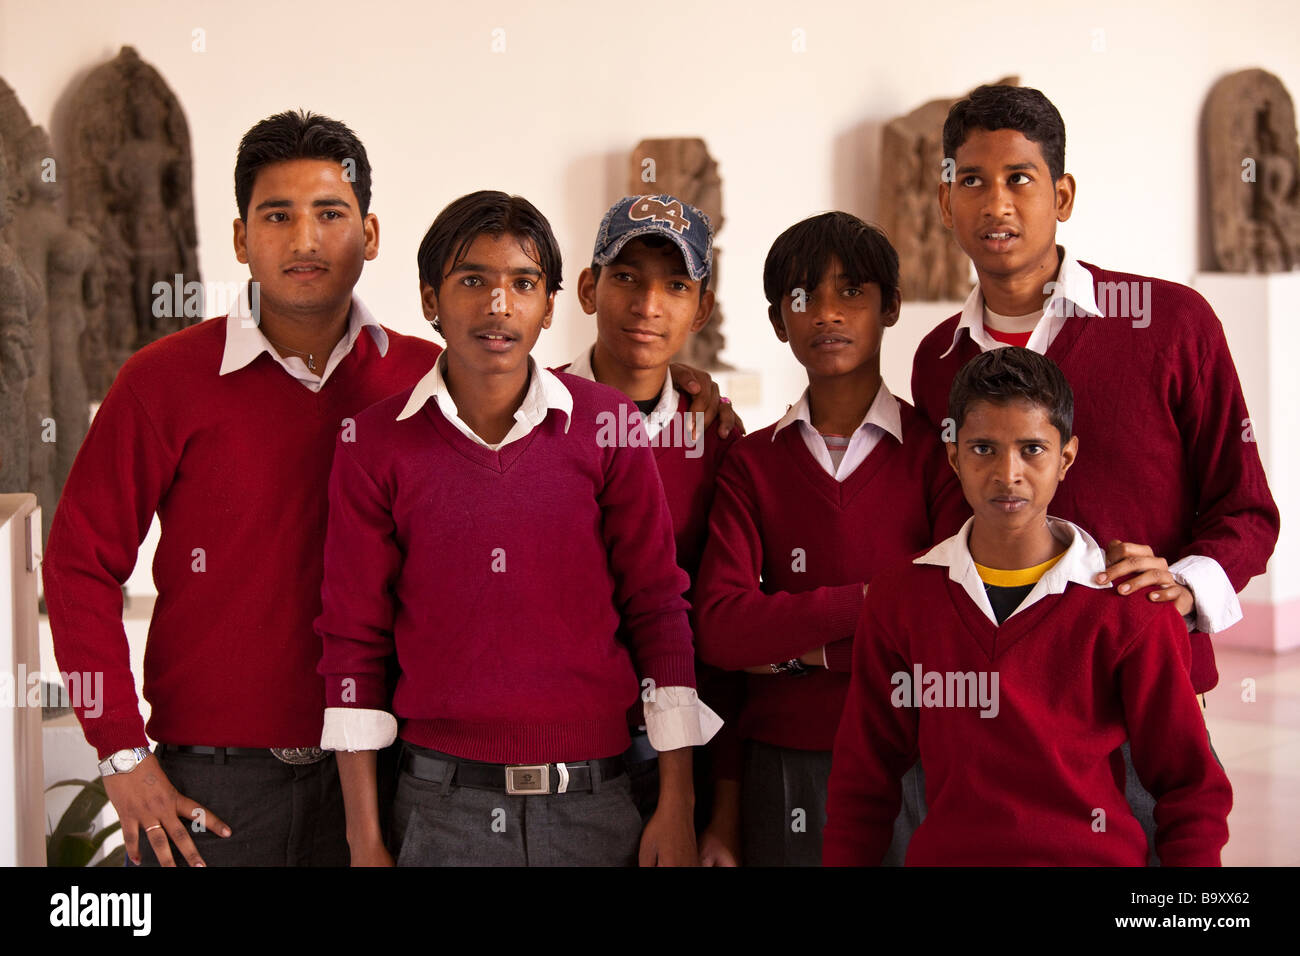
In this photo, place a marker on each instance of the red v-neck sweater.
(1078, 673)
(525, 590)
(1163, 459)
(688, 486)
(789, 550)
(236, 467)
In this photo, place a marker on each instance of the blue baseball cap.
(662, 215)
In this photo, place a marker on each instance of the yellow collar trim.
(1016, 579)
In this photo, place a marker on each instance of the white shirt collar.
(659, 416)
(545, 392)
(245, 342)
(1082, 560)
(883, 414)
(1070, 293)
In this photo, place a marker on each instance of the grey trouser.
(279, 814)
(783, 807)
(437, 824)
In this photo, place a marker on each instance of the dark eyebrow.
(1011, 167)
(328, 201)
(475, 267)
(1019, 441)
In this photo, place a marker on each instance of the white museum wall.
(555, 115)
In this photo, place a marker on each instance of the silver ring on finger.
(156, 826)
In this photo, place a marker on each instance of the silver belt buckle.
(298, 755)
(525, 779)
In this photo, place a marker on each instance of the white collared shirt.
(1080, 563)
(245, 342)
(1070, 293)
(675, 717)
(659, 416)
(1073, 292)
(545, 392)
(882, 418)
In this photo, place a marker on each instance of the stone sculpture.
(59, 261)
(1253, 174)
(130, 181)
(20, 296)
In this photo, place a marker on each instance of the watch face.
(123, 762)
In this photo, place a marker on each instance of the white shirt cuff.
(354, 728)
(1216, 606)
(677, 718)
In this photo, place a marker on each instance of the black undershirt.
(1006, 600)
(648, 405)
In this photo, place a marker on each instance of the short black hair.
(655, 242)
(493, 213)
(1010, 373)
(801, 255)
(300, 134)
(1009, 107)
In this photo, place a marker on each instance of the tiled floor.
(1259, 744)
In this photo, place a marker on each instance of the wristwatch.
(794, 667)
(123, 761)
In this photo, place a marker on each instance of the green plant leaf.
(116, 858)
(105, 833)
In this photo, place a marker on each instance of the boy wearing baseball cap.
(648, 286)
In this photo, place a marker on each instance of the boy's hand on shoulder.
(706, 399)
(669, 838)
(1125, 558)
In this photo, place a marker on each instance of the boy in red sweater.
(999, 660)
(1135, 349)
(226, 430)
(648, 288)
(520, 567)
(807, 512)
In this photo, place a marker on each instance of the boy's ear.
(550, 311)
(889, 311)
(704, 312)
(587, 291)
(945, 204)
(241, 241)
(370, 226)
(778, 323)
(428, 300)
(951, 449)
(1065, 187)
(1069, 451)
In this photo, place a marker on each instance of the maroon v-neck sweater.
(1166, 454)
(1042, 781)
(236, 467)
(689, 477)
(788, 553)
(524, 590)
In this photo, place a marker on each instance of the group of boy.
(477, 644)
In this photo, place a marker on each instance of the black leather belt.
(517, 779)
(290, 755)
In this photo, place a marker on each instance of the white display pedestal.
(1261, 320)
(22, 801)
